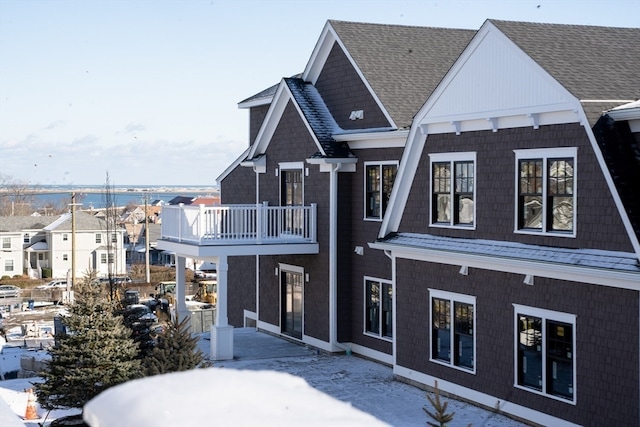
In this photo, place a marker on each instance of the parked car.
(9, 291)
(54, 284)
(140, 313)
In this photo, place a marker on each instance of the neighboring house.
(47, 242)
(461, 205)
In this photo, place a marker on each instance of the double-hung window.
(8, 265)
(26, 238)
(545, 352)
(379, 178)
(98, 238)
(103, 258)
(453, 329)
(453, 189)
(378, 314)
(546, 196)
(6, 243)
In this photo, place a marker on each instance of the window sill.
(449, 365)
(369, 334)
(532, 232)
(372, 219)
(550, 396)
(455, 226)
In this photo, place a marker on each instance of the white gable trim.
(490, 63)
(269, 125)
(319, 56)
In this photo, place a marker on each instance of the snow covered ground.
(367, 386)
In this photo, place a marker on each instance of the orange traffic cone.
(31, 413)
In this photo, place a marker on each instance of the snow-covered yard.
(232, 393)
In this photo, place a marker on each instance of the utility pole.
(146, 239)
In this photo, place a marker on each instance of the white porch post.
(181, 302)
(222, 332)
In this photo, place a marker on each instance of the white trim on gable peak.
(272, 120)
(502, 87)
(319, 57)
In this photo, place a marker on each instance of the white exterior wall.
(86, 253)
(13, 253)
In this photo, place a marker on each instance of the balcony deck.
(239, 230)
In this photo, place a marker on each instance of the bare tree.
(16, 197)
(111, 223)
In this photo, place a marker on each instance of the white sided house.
(32, 244)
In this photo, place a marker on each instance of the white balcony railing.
(239, 224)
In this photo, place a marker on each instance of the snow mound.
(224, 397)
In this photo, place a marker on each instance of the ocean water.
(93, 197)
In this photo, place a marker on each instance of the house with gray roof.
(460, 205)
(31, 244)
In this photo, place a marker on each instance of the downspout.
(333, 260)
(257, 256)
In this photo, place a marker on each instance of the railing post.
(180, 216)
(312, 223)
(202, 226)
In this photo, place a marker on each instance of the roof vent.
(356, 114)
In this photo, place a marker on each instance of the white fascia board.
(366, 140)
(319, 57)
(255, 103)
(271, 120)
(195, 251)
(328, 164)
(237, 162)
(612, 188)
(594, 276)
(403, 182)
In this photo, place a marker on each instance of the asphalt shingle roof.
(593, 63)
(403, 64)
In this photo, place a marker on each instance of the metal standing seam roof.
(319, 118)
(592, 258)
(403, 64)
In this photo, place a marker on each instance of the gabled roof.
(84, 222)
(593, 63)
(22, 223)
(598, 65)
(402, 64)
(180, 199)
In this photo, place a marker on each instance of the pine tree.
(440, 410)
(175, 351)
(95, 354)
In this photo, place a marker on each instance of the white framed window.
(103, 258)
(65, 257)
(110, 258)
(8, 265)
(378, 308)
(114, 237)
(545, 191)
(65, 237)
(544, 354)
(452, 326)
(98, 238)
(6, 243)
(378, 183)
(26, 238)
(453, 189)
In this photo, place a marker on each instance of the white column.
(222, 332)
(181, 302)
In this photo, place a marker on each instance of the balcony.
(239, 230)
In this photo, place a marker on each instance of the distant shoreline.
(119, 190)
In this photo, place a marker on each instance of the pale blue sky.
(148, 90)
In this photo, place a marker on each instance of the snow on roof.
(594, 258)
(223, 396)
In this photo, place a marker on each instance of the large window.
(453, 329)
(8, 265)
(378, 314)
(453, 189)
(545, 352)
(379, 178)
(546, 190)
(6, 243)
